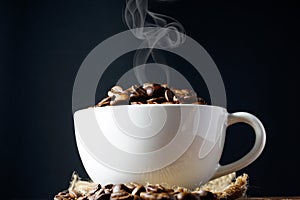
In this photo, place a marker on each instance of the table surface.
(270, 198)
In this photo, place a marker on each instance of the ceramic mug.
(177, 144)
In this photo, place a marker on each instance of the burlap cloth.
(228, 187)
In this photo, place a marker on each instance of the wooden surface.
(270, 198)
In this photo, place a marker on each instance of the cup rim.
(154, 105)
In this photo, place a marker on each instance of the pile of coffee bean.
(135, 191)
(149, 93)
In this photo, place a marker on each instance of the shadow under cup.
(158, 143)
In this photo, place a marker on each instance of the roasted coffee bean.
(120, 187)
(169, 95)
(158, 91)
(139, 94)
(148, 195)
(97, 194)
(102, 196)
(155, 188)
(153, 90)
(83, 198)
(134, 97)
(187, 196)
(139, 90)
(136, 197)
(156, 196)
(149, 91)
(121, 195)
(127, 197)
(131, 185)
(107, 191)
(108, 186)
(142, 93)
(156, 100)
(133, 88)
(176, 99)
(138, 189)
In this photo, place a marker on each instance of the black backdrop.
(43, 44)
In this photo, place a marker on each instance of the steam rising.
(137, 18)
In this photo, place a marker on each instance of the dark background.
(43, 43)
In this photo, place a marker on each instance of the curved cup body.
(173, 144)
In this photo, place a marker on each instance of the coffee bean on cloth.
(224, 188)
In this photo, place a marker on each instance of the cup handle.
(260, 140)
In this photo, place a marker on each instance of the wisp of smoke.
(138, 17)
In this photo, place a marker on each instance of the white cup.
(177, 144)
